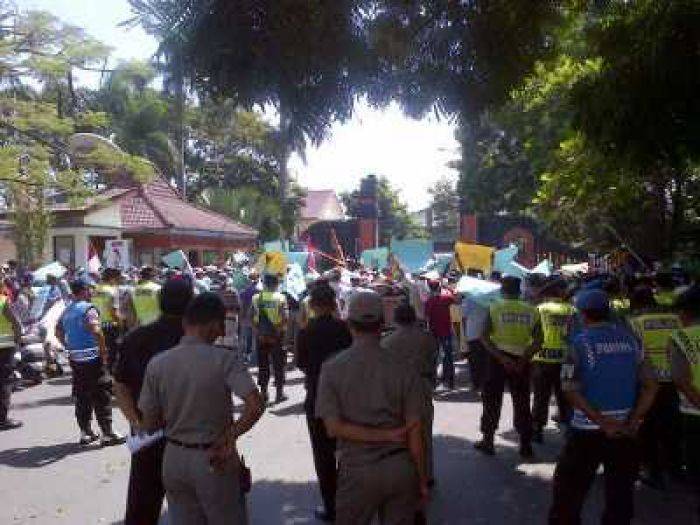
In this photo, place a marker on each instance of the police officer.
(610, 390)
(374, 410)
(10, 338)
(79, 332)
(145, 298)
(660, 432)
(270, 320)
(510, 341)
(555, 316)
(665, 294)
(685, 369)
(106, 300)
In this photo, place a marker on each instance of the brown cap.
(365, 307)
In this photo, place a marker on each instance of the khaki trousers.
(387, 488)
(197, 495)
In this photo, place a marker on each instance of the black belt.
(391, 453)
(195, 446)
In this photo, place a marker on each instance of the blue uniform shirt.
(81, 344)
(603, 366)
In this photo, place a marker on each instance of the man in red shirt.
(437, 315)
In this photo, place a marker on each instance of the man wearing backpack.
(269, 320)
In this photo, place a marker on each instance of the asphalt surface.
(46, 478)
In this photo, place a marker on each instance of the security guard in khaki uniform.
(416, 348)
(269, 320)
(10, 338)
(555, 316)
(105, 297)
(685, 369)
(145, 298)
(374, 409)
(510, 341)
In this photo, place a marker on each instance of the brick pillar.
(468, 228)
(368, 216)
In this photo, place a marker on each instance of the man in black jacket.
(146, 492)
(324, 337)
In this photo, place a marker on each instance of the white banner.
(117, 254)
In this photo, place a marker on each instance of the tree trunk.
(179, 140)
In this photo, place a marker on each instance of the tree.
(37, 165)
(445, 209)
(394, 219)
(256, 53)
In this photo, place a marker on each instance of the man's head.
(642, 298)
(205, 317)
(594, 305)
(405, 314)
(147, 273)
(510, 287)
(688, 305)
(270, 281)
(664, 280)
(554, 290)
(111, 275)
(365, 313)
(434, 285)
(174, 297)
(322, 299)
(253, 277)
(81, 288)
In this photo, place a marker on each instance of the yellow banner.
(474, 256)
(272, 263)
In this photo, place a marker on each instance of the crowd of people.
(620, 355)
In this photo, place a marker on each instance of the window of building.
(210, 257)
(64, 249)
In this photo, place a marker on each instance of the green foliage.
(394, 219)
(445, 209)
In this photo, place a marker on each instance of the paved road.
(46, 478)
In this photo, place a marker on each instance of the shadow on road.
(276, 501)
(59, 381)
(37, 457)
(291, 410)
(457, 396)
(51, 401)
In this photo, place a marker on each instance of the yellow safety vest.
(620, 305)
(146, 302)
(555, 317)
(665, 298)
(512, 322)
(103, 300)
(655, 329)
(270, 303)
(7, 333)
(688, 341)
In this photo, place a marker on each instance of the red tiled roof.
(321, 204)
(158, 205)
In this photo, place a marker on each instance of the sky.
(412, 154)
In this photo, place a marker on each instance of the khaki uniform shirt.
(362, 385)
(417, 349)
(188, 389)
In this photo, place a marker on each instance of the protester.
(610, 389)
(475, 315)
(324, 336)
(80, 333)
(145, 493)
(270, 320)
(187, 392)
(374, 409)
(437, 315)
